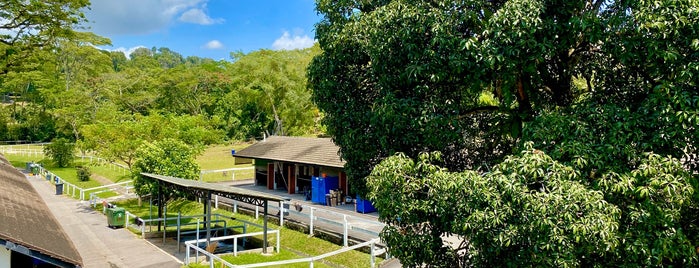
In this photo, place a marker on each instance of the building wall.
(5, 257)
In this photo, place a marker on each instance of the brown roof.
(311, 151)
(25, 219)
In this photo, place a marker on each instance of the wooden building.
(290, 163)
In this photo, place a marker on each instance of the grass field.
(219, 157)
(67, 174)
(290, 239)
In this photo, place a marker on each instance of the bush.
(61, 151)
(83, 173)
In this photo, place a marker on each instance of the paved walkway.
(99, 245)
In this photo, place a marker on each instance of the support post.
(207, 206)
(345, 226)
(257, 211)
(310, 225)
(281, 214)
(164, 222)
(179, 218)
(373, 258)
(264, 231)
(160, 203)
(235, 206)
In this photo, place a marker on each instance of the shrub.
(83, 173)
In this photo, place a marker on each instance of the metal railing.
(310, 260)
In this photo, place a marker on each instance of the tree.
(274, 84)
(28, 26)
(607, 88)
(166, 157)
(531, 210)
(61, 151)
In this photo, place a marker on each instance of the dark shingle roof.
(311, 151)
(26, 220)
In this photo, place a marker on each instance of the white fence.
(193, 244)
(314, 215)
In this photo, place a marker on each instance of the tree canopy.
(605, 91)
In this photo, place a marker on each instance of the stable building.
(292, 163)
(30, 236)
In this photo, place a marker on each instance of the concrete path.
(99, 245)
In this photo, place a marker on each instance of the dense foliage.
(83, 173)
(61, 151)
(167, 157)
(56, 83)
(544, 113)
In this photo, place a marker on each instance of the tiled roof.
(301, 150)
(26, 220)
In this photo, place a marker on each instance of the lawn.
(291, 241)
(219, 157)
(67, 174)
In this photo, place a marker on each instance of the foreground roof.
(26, 223)
(301, 150)
(201, 188)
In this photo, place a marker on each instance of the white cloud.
(144, 16)
(288, 42)
(197, 16)
(214, 44)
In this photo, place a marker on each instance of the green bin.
(116, 217)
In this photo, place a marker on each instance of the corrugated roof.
(215, 188)
(311, 151)
(27, 221)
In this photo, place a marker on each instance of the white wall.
(5, 255)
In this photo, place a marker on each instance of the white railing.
(310, 260)
(195, 243)
(224, 172)
(345, 221)
(112, 187)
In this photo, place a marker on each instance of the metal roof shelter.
(27, 225)
(206, 190)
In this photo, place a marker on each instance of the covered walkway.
(206, 190)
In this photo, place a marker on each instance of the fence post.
(281, 214)
(257, 212)
(278, 240)
(373, 259)
(235, 246)
(345, 225)
(216, 201)
(235, 206)
(310, 223)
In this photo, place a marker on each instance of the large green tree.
(269, 94)
(596, 85)
(28, 26)
(166, 157)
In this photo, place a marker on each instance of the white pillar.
(310, 228)
(345, 227)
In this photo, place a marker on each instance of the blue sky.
(204, 28)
